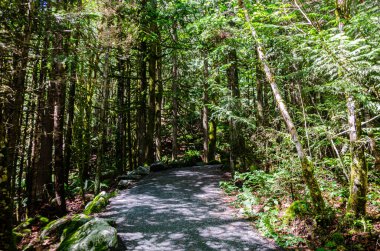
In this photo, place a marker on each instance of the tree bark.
(205, 113)
(174, 89)
(121, 123)
(58, 93)
(358, 175)
(160, 90)
(237, 144)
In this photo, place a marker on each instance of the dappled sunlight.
(181, 209)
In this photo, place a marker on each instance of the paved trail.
(181, 209)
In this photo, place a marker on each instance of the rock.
(158, 166)
(97, 204)
(95, 235)
(142, 170)
(123, 184)
(64, 225)
(76, 222)
(130, 176)
(55, 227)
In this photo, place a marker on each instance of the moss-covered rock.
(55, 227)
(64, 226)
(124, 184)
(76, 222)
(95, 235)
(97, 204)
(37, 220)
(142, 170)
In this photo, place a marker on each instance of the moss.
(43, 220)
(55, 227)
(17, 237)
(297, 208)
(98, 203)
(96, 234)
(338, 238)
(76, 222)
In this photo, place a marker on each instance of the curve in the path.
(181, 209)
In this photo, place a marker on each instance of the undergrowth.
(279, 205)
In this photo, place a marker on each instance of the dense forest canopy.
(283, 90)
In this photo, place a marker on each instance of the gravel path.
(181, 209)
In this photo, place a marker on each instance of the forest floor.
(182, 209)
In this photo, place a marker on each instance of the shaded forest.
(285, 94)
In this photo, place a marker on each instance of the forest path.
(181, 209)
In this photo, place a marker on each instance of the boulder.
(158, 166)
(76, 222)
(130, 176)
(142, 170)
(64, 225)
(97, 204)
(55, 227)
(95, 235)
(123, 184)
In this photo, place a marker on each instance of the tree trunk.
(6, 226)
(205, 113)
(129, 118)
(212, 139)
(237, 144)
(260, 118)
(359, 173)
(121, 124)
(358, 176)
(141, 109)
(152, 60)
(58, 91)
(42, 152)
(174, 96)
(160, 90)
(306, 165)
(103, 122)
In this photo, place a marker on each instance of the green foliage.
(298, 208)
(98, 203)
(228, 186)
(191, 157)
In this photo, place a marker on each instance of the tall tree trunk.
(103, 122)
(6, 226)
(306, 165)
(237, 144)
(160, 90)
(42, 152)
(58, 91)
(358, 176)
(260, 118)
(174, 88)
(121, 124)
(205, 112)
(212, 139)
(152, 60)
(129, 118)
(359, 173)
(141, 109)
(70, 106)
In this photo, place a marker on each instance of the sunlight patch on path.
(181, 209)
